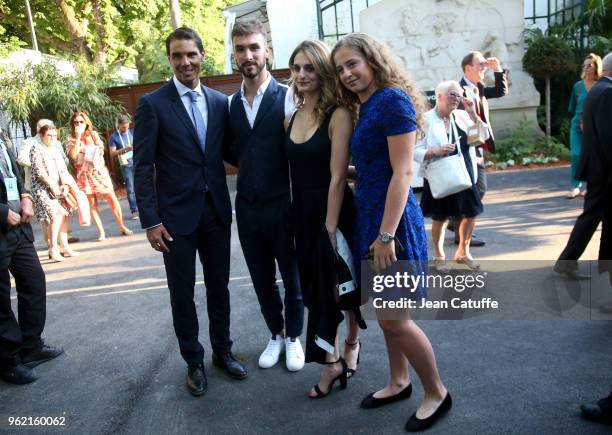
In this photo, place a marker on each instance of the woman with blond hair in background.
(50, 183)
(322, 207)
(86, 150)
(390, 109)
(591, 72)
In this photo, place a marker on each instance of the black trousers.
(211, 240)
(265, 236)
(23, 336)
(587, 222)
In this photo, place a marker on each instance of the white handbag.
(448, 175)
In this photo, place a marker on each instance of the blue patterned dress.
(388, 112)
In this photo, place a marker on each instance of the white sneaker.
(294, 355)
(270, 355)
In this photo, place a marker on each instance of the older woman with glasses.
(446, 129)
(86, 150)
(50, 182)
(591, 72)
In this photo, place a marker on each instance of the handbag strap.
(455, 133)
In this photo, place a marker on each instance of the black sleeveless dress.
(310, 178)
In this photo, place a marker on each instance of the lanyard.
(121, 138)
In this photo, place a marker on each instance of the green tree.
(113, 32)
(547, 57)
(30, 92)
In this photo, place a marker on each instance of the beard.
(258, 67)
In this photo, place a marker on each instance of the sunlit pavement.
(122, 372)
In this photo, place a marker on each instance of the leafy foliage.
(111, 32)
(547, 56)
(524, 147)
(31, 92)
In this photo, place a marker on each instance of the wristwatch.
(386, 237)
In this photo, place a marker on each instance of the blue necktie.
(198, 120)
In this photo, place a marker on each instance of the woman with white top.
(446, 128)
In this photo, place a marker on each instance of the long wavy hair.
(319, 55)
(597, 63)
(388, 73)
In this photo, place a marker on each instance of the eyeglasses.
(51, 134)
(455, 95)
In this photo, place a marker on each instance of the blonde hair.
(388, 73)
(319, 55)
(596, 62)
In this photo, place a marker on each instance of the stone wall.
(432, 36)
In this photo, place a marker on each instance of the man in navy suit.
(257, 113)
(184, 202)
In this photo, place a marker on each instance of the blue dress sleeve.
(397, 113)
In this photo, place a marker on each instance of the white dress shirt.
(251, 110)
(186, 99)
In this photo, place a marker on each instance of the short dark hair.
(248, 26)
(184, 33)
(468, 59)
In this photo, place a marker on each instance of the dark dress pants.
(21, 260)
(211, 240)
(586, 224)
(265, 236)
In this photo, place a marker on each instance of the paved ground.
(122, 372)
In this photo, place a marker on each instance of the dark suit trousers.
(211, 240)
(21, 260)
(587, 222)
(266, 236)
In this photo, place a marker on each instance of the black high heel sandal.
(342, 377)
(351, 372)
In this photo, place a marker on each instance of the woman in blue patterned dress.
(382, 146)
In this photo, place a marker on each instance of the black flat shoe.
(228, 362)
(415, 424)
(567, 270)
(342, 377)
(351, 372)
(18, 375)
(197, 384)
(46, 353)
(371, 402)
(601, 411)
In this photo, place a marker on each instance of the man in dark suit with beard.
(184, 202)
(595, 167)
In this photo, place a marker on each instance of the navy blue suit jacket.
(170, 170)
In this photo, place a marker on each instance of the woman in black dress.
(318, 134)
(446, 127)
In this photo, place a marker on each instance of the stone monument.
(431, 37)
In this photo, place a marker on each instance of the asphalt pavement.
(122, 371)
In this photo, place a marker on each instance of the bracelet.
(26, 195)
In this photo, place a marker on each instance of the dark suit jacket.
(259, 152)
(4, 208)
(170, 170)
(595, 164)
(500, 89)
